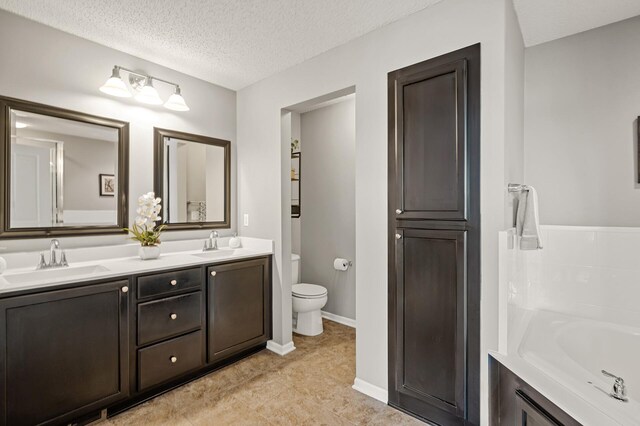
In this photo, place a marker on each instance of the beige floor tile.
(310, 386)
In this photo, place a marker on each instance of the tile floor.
(310, 386)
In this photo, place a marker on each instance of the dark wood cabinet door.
(430, 141)
(239, 296)
(64, 354)
(430, 347)
(529, 415)
(434, 238)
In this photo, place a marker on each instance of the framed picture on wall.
(107, 185)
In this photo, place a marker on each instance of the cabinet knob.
(173, 359)
(174, 282)
(213, 273)
(398, 211)
(398, 236)
(125, 289)
(174, 316)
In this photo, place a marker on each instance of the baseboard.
(280, 349)
(341, 320)
(371, 390)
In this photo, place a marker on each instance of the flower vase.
(149, 252)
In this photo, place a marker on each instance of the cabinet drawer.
(169, 282)
(167, 360)
(168, 317)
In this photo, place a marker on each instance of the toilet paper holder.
(340, 264)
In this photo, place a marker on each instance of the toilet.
(308, 300)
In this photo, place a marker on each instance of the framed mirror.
(193, 176)
(62, 172)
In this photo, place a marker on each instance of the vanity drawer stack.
(170, 335)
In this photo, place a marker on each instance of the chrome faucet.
(619, 391)
(53, 262)
(212, 242)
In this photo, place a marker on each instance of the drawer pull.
(173, 359)
(398, 236)
(213, 273)
(398, 211)
(174, 282)
(125, 289)
(173, 316)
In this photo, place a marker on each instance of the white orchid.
(148, 213)
(148, 209)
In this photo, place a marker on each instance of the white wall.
(581, 109)
(364, 63)
(328, 202)
(514, 108)
(45, 65)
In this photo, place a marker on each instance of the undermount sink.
(215, 254)
(46, 275)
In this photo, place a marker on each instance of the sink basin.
(216, 254)
(56, 274)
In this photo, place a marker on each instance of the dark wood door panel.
(65, 352)
(431, 288)
(239, 298)
(430, 143)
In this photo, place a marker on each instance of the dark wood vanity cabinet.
(65, 353)
(239, 306)
(72, 352)
(514, 402)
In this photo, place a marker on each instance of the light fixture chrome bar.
(517, 187)
(150, 77)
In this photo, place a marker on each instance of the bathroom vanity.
(112, 338)
(514, 402)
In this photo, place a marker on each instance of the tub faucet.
(619, 391)
(212, 242)
(53, 262)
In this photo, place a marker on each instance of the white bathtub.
(573, 351)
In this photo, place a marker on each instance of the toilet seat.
(308, 291)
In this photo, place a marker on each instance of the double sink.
(86, 271)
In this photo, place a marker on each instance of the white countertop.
(97, 263)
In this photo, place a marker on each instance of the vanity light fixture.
(115, 86)
(142, 86)
(148, 94)
(176, 101)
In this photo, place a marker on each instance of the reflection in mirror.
(194, 181)
(62, 172)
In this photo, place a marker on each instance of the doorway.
(319, 218)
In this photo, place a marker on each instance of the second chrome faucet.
(54, 247)
(212, 242)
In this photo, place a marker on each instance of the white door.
(31, 197)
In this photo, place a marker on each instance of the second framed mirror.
(193, 177)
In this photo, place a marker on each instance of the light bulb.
(148, 94)
(176, 102)
(115, 86)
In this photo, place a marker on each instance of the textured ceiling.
(546, 20)
(232, 43)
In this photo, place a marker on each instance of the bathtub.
(573, 351)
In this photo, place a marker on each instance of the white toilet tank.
(295, 268)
